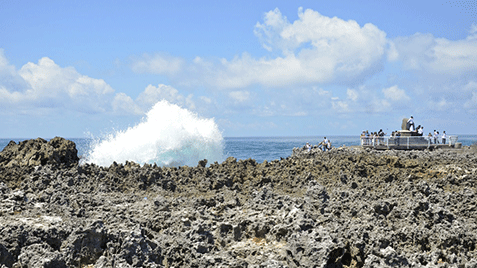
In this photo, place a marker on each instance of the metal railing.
(407, 142)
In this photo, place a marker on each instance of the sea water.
(258, 148)
(169, 135)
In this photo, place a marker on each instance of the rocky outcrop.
(57, 151)
(18, 160)
(344, 208)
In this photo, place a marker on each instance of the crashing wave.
(168, 136)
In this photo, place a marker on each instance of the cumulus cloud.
(10, 81)
(428, 54)
(240, 96)
(370, 101)
(157, 64)
(441, 70)
(352, 94)
(123, 104)
(313, 49)
(318, 49)
(46, 85)
(152, 94)
(470, 90)
(395, 94)
(473, 29)
(471, 104)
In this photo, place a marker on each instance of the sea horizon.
(259, 148)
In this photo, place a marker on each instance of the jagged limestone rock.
(347, 207)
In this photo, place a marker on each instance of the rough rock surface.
(348, 207)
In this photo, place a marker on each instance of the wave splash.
(168, 136)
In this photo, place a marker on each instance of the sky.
(259, 68)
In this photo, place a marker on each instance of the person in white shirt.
(436, 137)
(444, 137)
(410, 123)
(308, 147)
(324, 144)
(420, 130)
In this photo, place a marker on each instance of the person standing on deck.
(381, 135)
(420, 130)
(436, 137)
(410, 123)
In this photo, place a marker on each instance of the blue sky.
(259, 68)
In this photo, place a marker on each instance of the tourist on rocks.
(436, 136)
(308, 147)
(323, 144)
(328, 145)
(444, 137)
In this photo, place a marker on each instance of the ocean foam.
(168, 136)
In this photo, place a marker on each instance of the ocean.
(258, 148)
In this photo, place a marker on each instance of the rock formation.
(349, 207)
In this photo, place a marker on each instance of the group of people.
(324, 145)
(432, 137)
(377, 138)
(373, 138)
(411, 127)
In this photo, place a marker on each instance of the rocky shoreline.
(349, 207)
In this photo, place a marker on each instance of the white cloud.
(205, 99)
(152, 94)
(313, 49)
(157, 64)
(395, 94)
(341, 106)
(473, 29)
(46, 85)
(123, 104)
(240, 96)
(439, 105)
(471, 104)
(471, 91)
(392, 52)
(9, 77)
(321, 49)
(370, 101)
(352, 94)
(274, 22)
(427, 54)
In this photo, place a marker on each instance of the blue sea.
(258, 148)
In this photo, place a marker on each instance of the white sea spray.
(168, 135)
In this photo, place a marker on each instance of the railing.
(407, 142)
